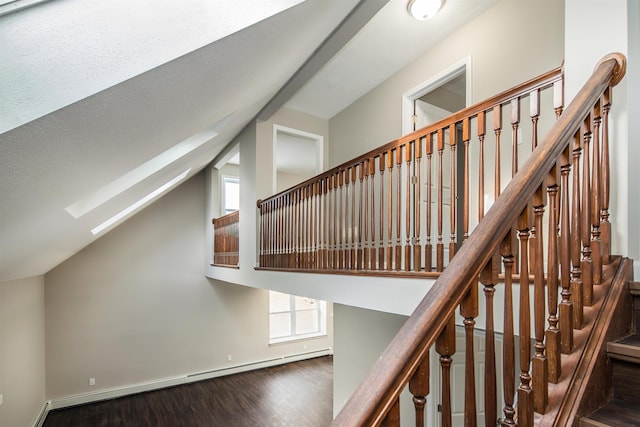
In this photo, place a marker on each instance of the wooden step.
(616, 413)
(627, 349)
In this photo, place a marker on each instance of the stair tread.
(617, 413)
(627, 347)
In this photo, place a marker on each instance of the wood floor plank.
(296, 394)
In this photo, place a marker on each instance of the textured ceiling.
(101, 105)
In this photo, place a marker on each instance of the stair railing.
(226, 240)
(568, 176)
(406, 207)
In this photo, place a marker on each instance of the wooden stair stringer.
(607, 319)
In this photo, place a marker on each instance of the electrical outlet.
(229, 358)
(92, 381)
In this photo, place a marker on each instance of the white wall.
(507, 45)
(22, 356)
(595, 28)
(134, 307)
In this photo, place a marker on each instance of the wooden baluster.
(585, 226)
(540, 367)
(452, 192)
(390, 249)
(565, 310)
(515, 124)
(297, 249)
(508, 349)
(525, 395)
(419, 388)
(440, 244)
(605, 225)
(489, 278)
(295, 240)
(497, 128)
(363, 233)
(341, 221)
(268, 235)
(534, 113)
(354, 248)
(552, 335)
(277, 244)
(465, 139)
(408, 210)
(392, 418)
(372, 215)
(323, 224)
(309, 227)
(596, 192)
(428, 247)
(417, 248)
(446, 347)
(469, 311)
(482, 124)
(398, 249)
(330, 223)
(381, 255)
(316, 224)
(558, 97)
(576, 272)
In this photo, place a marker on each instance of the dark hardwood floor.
(296, 394)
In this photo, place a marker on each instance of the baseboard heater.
(184, 379)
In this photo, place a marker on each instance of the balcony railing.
(406, 207)
(226, 240)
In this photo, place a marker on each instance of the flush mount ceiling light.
(424, 9)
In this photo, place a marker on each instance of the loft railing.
(407, 206)
(568, 177)
(226, 240)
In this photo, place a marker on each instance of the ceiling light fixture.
(424, 9)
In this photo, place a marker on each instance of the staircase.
(623, 407)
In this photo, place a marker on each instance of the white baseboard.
(113, 393)
(41, 415)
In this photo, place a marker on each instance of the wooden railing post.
(417, 247)
(552, 334)
(428, 247)
(577, 295)
(408, 208)
(525, 395)
(440, 244)
(446, 347)
(539, 362)
(489, 278)
(605, 225)
(419, 388)
(585, 227)
(596, 193)
(469, 309)
(566, 305)
(508, 349)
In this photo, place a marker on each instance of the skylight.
(157, 192)
(10, 6)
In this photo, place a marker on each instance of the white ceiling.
(103, 102)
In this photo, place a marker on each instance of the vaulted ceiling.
(103, 102)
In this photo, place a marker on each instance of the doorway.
(297, 156)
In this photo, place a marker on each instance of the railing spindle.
(428, 247)
(585, 227)
(489, 278)
(525, 395)
(390, 247)
(381, 254)
(452, 192)
(482, 124)
(417, 244)
(354, 248)
(596, 186)
(540, 367)
(508, 349)
(552, 334)
(565, 310)
(446, 347)
(469, 310)
(408, 210)
(576, 272)
(605, 225)
(398, 248)
(419, 388)
(440, 244)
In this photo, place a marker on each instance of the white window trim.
(223, 179)
(322, 322)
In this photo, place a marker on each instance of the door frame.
(456, 69)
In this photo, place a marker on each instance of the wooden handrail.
(379, 392)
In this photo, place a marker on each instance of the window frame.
(293, 335)
(223, 193)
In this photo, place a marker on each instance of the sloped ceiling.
(103, 102)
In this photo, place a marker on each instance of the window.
(292, 317)
(230, 194)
